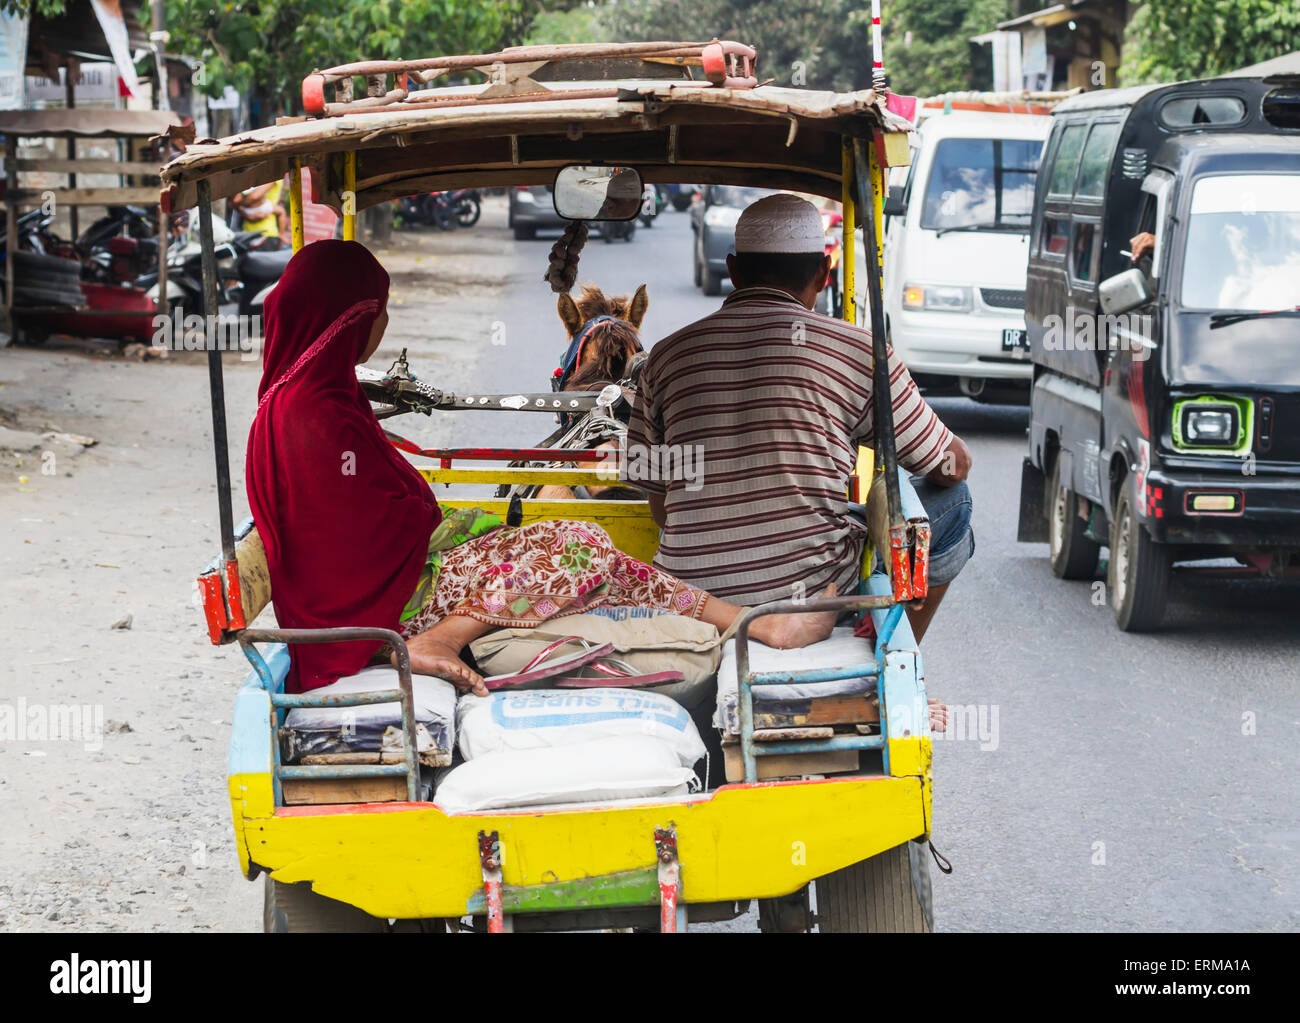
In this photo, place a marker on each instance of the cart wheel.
(1139, 571)
(1074, 554)
(888, 893)
(296, 909)
(788, 914)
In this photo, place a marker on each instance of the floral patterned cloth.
(521, 577)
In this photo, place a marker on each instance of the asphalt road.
(1097, 781)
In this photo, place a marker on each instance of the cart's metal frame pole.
(295, 203)
(216, 384)
(350, 195)
(849, 256)
(869, 174)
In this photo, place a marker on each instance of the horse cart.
(845, 806)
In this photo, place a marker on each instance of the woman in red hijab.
(353, 534)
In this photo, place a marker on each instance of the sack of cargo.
(654, 643)
(321, 730)
(544, 718)
(624, 767)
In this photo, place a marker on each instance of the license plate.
(1014, 339)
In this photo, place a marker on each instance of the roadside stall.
(44, 286)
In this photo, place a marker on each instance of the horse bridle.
(573, 354)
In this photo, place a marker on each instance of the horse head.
(606, 332)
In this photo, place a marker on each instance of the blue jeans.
(952, 540)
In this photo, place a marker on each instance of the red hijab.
(345, 518)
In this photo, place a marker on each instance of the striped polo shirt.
(749, 421)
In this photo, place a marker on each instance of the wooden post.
(164, 233)
(11, 224)
(70, 98)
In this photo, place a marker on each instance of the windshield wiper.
(1228, 319)
(1021, 228)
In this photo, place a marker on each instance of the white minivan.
(957, 246)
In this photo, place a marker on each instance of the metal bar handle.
(744, 682)
(353, 634)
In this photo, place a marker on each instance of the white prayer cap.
(780, 223)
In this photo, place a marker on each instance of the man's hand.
(1141, 244)
(954, 466)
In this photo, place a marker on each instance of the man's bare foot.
(938, 716)
(795, 630)
(429, 656)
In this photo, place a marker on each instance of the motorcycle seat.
(267, 266)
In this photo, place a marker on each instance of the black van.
(1165, 405)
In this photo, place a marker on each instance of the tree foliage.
(928, 48)
(823, 44)
(267, 47)
(826, 44)
(45, 8)
(1170, 40)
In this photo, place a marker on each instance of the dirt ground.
(121, 820)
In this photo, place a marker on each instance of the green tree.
(1169, 40)
(266, 47)
(46, 8)
(815, 43)
(928, 48)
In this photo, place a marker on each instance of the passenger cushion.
(314, 731)
(841, 649)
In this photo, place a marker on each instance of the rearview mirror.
(597, 193)
(895, 205)
(1124, 291)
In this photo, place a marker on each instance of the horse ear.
(569, 315)
(637, 309)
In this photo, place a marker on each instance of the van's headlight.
(1204, 424)
(722, 216)
(944, 298)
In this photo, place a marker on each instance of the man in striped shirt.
(750, 419)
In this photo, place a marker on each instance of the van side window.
(1056, 231)
(1095, 164)
(1061, 181)
(1083, 252)
(1194, 111)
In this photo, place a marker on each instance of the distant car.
(713, 219)
(531, 208)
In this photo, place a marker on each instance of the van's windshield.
(981, 184)
(1243, 243)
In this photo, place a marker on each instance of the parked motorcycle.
(35, 234)
(249, 265)
(443, 210)
(653, 200)
(468, 204)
